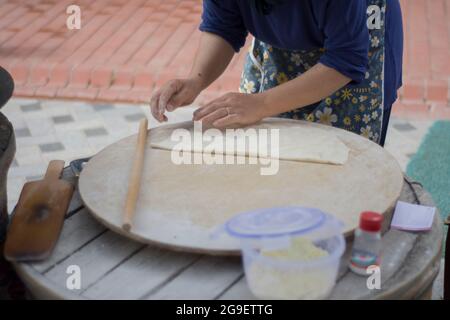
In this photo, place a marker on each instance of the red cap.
(370, 221)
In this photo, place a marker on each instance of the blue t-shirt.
(338, 26)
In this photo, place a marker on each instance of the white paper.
(412, 217)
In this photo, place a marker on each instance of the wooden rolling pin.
(135, 176)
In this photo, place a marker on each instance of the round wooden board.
(180, 206)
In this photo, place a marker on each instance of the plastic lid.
(276, 222)
(370, 221)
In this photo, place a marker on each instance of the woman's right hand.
(174, 94)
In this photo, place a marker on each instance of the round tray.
(180, 206)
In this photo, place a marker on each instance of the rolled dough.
(266, 140)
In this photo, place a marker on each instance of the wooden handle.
(54, 170)
(135, 176)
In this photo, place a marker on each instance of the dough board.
(180, 206)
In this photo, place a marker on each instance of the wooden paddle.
(39, 216)
(135, 176)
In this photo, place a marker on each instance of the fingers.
(207, 109)
(208, 120)
(230, 121)
(167, 93)
(224, 100)
(154, 107)
(160, 100)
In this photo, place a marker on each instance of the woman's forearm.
(314, 85)
(212, 58)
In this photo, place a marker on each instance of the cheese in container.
(289, 252)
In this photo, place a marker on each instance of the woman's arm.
(239, 109)
(314, 85)
(212, 57)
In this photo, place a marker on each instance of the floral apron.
(355, 107)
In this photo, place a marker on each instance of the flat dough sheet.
(296, 143)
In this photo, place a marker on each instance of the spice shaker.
(367, 243)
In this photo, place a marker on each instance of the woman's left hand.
(232, 110)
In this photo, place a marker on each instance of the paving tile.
(134, 117)
(29, 155)
(72, 140)
(126, 108)
(66, 155)
(39, 124)
(55, 107)
(23, 171)
(93, 132)
(22, 132)
(16, 120)
(35, 140)
(99, 142)
(102, 107)
(80, 125)
(421, 129)
(12, 111)
(31, 107)
(404, 126)
(111, 119)
(84, 113)
(14, 185)
(62, 119)
(403, 144)
(17, 102)
(51, 147)
(120, 134)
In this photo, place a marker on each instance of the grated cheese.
(269, 281)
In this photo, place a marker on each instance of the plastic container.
(366, 250)
(289, 252)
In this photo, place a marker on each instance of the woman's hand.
(174, 94)
(232, 110)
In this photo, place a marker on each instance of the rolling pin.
(134, 183)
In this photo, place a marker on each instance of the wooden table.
(114, 267)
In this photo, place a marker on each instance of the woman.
(336, 62)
